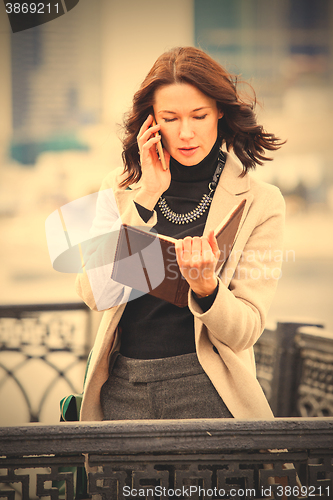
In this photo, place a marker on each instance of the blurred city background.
(65, 86)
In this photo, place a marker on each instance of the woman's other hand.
(154, 180)
(197, 259)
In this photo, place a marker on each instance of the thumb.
(213, 243)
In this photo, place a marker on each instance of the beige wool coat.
(236, 319)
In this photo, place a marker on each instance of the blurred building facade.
(276, 44)
(56, 80)
(80, 69)
(5, 87)
(284, 48)
(84, 67)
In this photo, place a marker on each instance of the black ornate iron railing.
(44, 347)
(43, 351)
(295, 369)
(314, 396)
(197, 459)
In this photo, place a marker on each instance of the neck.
(201, 171)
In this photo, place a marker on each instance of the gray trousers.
(168, 388)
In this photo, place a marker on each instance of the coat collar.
(230, 178)
(230, 191)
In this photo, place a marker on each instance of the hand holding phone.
(160, 149)
(155, 173)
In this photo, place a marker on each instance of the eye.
(202, 117)
(168, 120)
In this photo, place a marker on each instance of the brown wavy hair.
(238, 127)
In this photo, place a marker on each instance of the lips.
(188, 151)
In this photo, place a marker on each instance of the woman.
(152, 359)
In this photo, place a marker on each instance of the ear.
(220, 114)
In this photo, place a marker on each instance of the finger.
(183, 264)
(196, 253)
(149, 147)
(149, 132)
(146, 142)
(213, 243)
(187, 250)
(146, 132)
(207, 252)
(179, 250)
(146, 124)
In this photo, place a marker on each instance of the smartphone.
(160, 149)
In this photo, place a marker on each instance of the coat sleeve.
(237, 315)
(94, 284)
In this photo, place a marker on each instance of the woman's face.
(188, 120)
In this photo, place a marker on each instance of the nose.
(185, 131)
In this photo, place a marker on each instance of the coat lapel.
(230, 191)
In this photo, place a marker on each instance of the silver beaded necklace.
(204, 203)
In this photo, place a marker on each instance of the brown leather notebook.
(146, 261)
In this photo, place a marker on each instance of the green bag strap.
(70, 408)
(70, 405)
(87, 366)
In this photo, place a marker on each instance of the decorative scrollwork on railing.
(195, 477)
(295, 369)
(315, 390)
(42, 359)
(35, 481)
(197, 459)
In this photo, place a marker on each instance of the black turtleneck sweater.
(153, 328)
